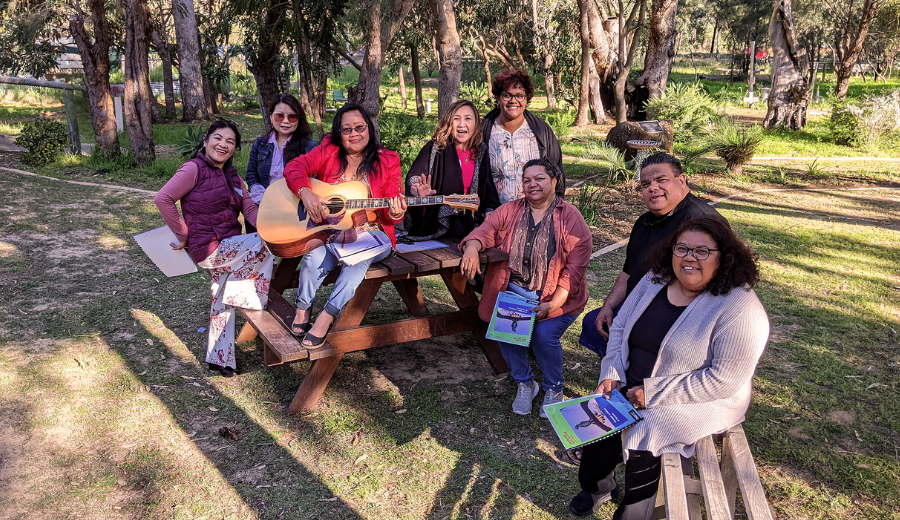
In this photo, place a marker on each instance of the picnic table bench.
(679, 492)
(273, 324)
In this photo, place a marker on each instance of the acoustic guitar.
(285, 227)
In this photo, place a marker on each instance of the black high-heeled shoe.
(315, 341)
(300, 329)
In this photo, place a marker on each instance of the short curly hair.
(737, 264)
(509, 79)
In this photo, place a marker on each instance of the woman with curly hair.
(515, 136)
(450, 164)
(683, 349)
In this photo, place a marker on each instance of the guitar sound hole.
(335, 206)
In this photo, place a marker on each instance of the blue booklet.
(588, 419)
(512, 320)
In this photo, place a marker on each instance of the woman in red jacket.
(350, 153)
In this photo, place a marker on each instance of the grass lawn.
(108, 410)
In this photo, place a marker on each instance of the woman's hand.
(543, 310)
(470, 265)
(313, 204)
(606, 386)
(636, 397)
(423, 188)
(604, 318)
(398, 207)
(179, 246)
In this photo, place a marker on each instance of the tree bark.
(402, 80)
(192, 99)
(584, 92)
(262, 63)
(631, 44)
(417, 80)
(165, 55)
(596, 100)
(660, 48)
(848, 46)
(487, 63)
(380, 30)
(95, 60)
(138, 97)
(790, 93)
(449, 52)
(541, 44)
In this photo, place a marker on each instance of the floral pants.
(241, 269)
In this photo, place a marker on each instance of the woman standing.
(515, 136)
(351, 152)
(683, 349)
(289, 138)
(549, 246)
(212, 195)
(450, 164)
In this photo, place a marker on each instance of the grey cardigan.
(702, 380)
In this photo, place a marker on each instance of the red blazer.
(322, 163)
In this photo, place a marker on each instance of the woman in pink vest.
(351, 152)
(212, 196)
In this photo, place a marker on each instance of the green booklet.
(588, 419)
(512, 320)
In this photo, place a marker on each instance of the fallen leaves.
(228, 433)
(360, 459)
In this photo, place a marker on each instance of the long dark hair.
(217, 124)
(297, 145)
(370, 153)
(737, 264)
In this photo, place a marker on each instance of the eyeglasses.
(506, 96)
(700, 253)
(358, 129)
(292, 118)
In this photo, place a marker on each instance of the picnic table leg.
(465, 298)
(248, 333)
(313, 385)
(412, 296)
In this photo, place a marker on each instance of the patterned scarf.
(539, 259)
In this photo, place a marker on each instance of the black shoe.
(225, 371)
(584, 503)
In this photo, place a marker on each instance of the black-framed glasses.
(506, 96)
(358, 129)
(700, 253)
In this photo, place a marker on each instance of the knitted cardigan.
(703, 377)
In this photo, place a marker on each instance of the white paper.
(420, 246)
(367, 245)
(156, 245)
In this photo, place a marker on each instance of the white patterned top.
(508, 153)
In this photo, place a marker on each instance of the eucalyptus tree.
(660, 48)
(410, 43)
(449, 52)
(790, 93)
(138, 106)
(188, 47)
(852, 19)
(161, 41)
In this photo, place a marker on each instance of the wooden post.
(74, 138)
(752, 67)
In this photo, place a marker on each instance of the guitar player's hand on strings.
(398, 207)
(313, 204)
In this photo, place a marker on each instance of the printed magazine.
(512, 320)
(588, 419)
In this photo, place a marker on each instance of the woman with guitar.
(212, 195)
(289, 138)
(449, 164)
(351, 152)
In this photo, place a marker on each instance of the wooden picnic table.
(273, 324)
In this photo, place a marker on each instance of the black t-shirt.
(647, 336)
(650, 230)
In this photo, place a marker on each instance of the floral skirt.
(241, 270)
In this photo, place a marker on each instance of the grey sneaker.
(550, 398)
(524, 396)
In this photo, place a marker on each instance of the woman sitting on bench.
(212, 195)
(683, 349)
(351, 152)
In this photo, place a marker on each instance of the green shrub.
(561, 121)
(189, 140)
(478, 93)
(869, 124)
(735, 143)
(842, 124)
(44, 140)
(588, 199)
(405, 135)
(692, 109)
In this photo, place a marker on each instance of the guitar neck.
(381, 203)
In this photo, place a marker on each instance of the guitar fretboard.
(386, 203)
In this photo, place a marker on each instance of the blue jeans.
(590, 336)
(546, 346)
(316, 266)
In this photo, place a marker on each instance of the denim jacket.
(260, 161)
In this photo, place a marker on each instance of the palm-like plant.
(735, 143)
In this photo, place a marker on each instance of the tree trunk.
(660, 48)
(402, 80)
(624, 67)
(95, 60)
(380, 30)
(595, 98)
(712, 46)
(162, 48)
(417, 80)
(584, 92)
(192, 98)
(540, 37)
(262, 63)
(487, 63)
(849, 46)
(790, 92)
(450, 54)
(209, 93)
(138, 103)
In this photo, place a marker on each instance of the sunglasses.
(279, 117)
(358, 129)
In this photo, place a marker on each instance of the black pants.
(642, 472)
